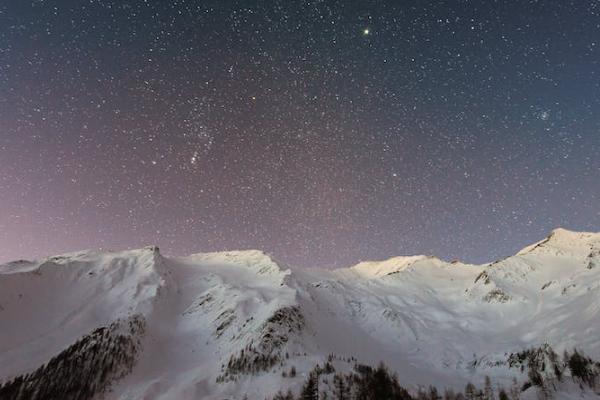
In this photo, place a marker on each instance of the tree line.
(84, 369)
(545, 370)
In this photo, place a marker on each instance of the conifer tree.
(502, 395)
(341, 391)
(310, 390)
(433, 393)
(470, 391)
(488, 391)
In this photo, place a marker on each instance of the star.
(297, 128)
(544, 115)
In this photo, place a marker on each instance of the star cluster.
(323, 132)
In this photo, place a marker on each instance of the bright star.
(366, 31)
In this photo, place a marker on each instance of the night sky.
(323, 132)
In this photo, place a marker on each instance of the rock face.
(135, 324)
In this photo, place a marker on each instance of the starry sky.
(323, 132)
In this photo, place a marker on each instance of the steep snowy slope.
(223, 306)
(222, 325)
(46, 306)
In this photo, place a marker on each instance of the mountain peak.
(375, 269)
(566, 234)
(563, 240)
(254, 260)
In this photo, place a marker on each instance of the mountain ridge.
(557, 234)
(228, 323)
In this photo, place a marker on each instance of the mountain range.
(239, 324)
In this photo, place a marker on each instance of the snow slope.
(227, 324)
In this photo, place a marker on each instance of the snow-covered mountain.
(138, 325)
